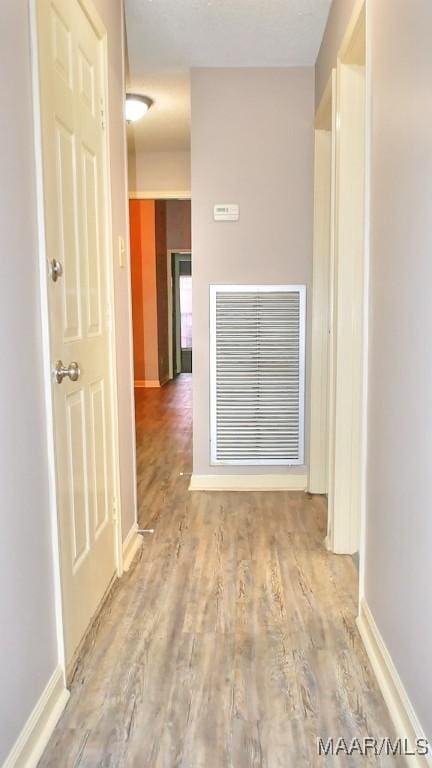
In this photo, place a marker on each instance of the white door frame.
(347, 350)
(170, 253)
(348, 428)
(347, 327)
(366, 270)
(94, 18)
(166, 195)
(321, 292)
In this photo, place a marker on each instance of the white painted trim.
(133, 468)
(346, 489)
(114, 402)
(179, 258)
(170, 287)
(347, 327)
(147, 384)
(214, 290)
(131, 545)
(323, 114)
(170, 313)
(351, 30)
(365, 360)
(46, 344)
(34, 737)
(163, 194)
(401, 710)
(332, 319)
(319, 387)
(282, 482)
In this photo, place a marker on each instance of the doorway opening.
(181, 282)
(161, 290)
(161, 271)
(339, 291)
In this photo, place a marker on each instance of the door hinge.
(108, 316)
(114, 509)
(102, 114)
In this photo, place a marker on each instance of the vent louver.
(257, 374)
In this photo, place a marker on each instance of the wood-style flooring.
(232, 642)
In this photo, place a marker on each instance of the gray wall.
(252, 144)
(339, 16)
(399, 456)
(398, 542)
(28, 650)
(159, 172)
(28, 653)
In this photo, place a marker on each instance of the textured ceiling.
(169, 37)
(166, 126)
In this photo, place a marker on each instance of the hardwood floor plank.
(232, 641)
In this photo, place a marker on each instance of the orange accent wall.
(162, 287)
(136, 279)
(144, 289)
(155, 226)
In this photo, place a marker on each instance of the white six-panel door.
(72, 62)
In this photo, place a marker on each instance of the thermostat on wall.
(226, 212)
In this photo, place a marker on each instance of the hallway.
(232, 642)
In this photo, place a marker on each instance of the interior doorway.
(161, 269)
(79, 288)
(339, 290)
(181, 274)
(161, 290)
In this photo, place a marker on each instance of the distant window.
(186, 311)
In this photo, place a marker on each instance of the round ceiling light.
(136, 106)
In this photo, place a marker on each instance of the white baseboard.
(284, 482)
(34, 737)
(399, 705)
(147, 384)
(131, 545)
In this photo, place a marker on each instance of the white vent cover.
(257, 349)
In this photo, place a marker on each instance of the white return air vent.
(257, 349)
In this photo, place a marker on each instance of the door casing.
(347, 348)
(170, 287)
(177, 259)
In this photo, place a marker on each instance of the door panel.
(99, 456)
(78, 482)
(72, 74)
(91, 241)
(68, 231)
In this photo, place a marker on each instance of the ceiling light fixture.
(136, 106)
